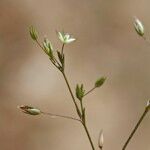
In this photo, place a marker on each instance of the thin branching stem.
(73, 98)
(78, 111)
(81, 104)
(90, 91)
(89, 137)
(77, 107)
(61, 116)
(71, 93)
(62, 49)
(39, 45)
(135, 128)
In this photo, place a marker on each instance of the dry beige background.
(106, 45)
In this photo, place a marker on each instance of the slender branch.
(62, 49)
(54, 63)
(81, 104)
(90, 91)
(78, 111)
(61, 116)
(135, 128)
(39, 45)
(73, 98)
(89, 137)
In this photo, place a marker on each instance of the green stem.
(62, 116)
(62, 49)
(73, 98)
(78, 111)
(135, 128)
(90, 91)
(89, 137)
(81, 104)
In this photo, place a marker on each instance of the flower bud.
(29, 110)
(100, 82)
(80, 91)
(33, 33)
(148, 105)
(101, 140)
(48, 47)
(139, 27)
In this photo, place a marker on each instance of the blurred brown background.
(106, 45)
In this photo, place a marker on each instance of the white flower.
(65, 38)
(139, 27)
(29, 110)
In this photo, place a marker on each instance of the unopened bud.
(148, 105)
(101, 140)
(80, 91)
(33, 33)
(29, 110)
(100, 82)
(139, 27)
(48, 47)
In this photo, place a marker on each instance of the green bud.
(80, 92)
(48, 48)
(33, 33)
(100, 82)
(139, 27)
(29, 110)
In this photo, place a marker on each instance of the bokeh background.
(106, 45)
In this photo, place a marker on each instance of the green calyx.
(100, 82)
(80, 91)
